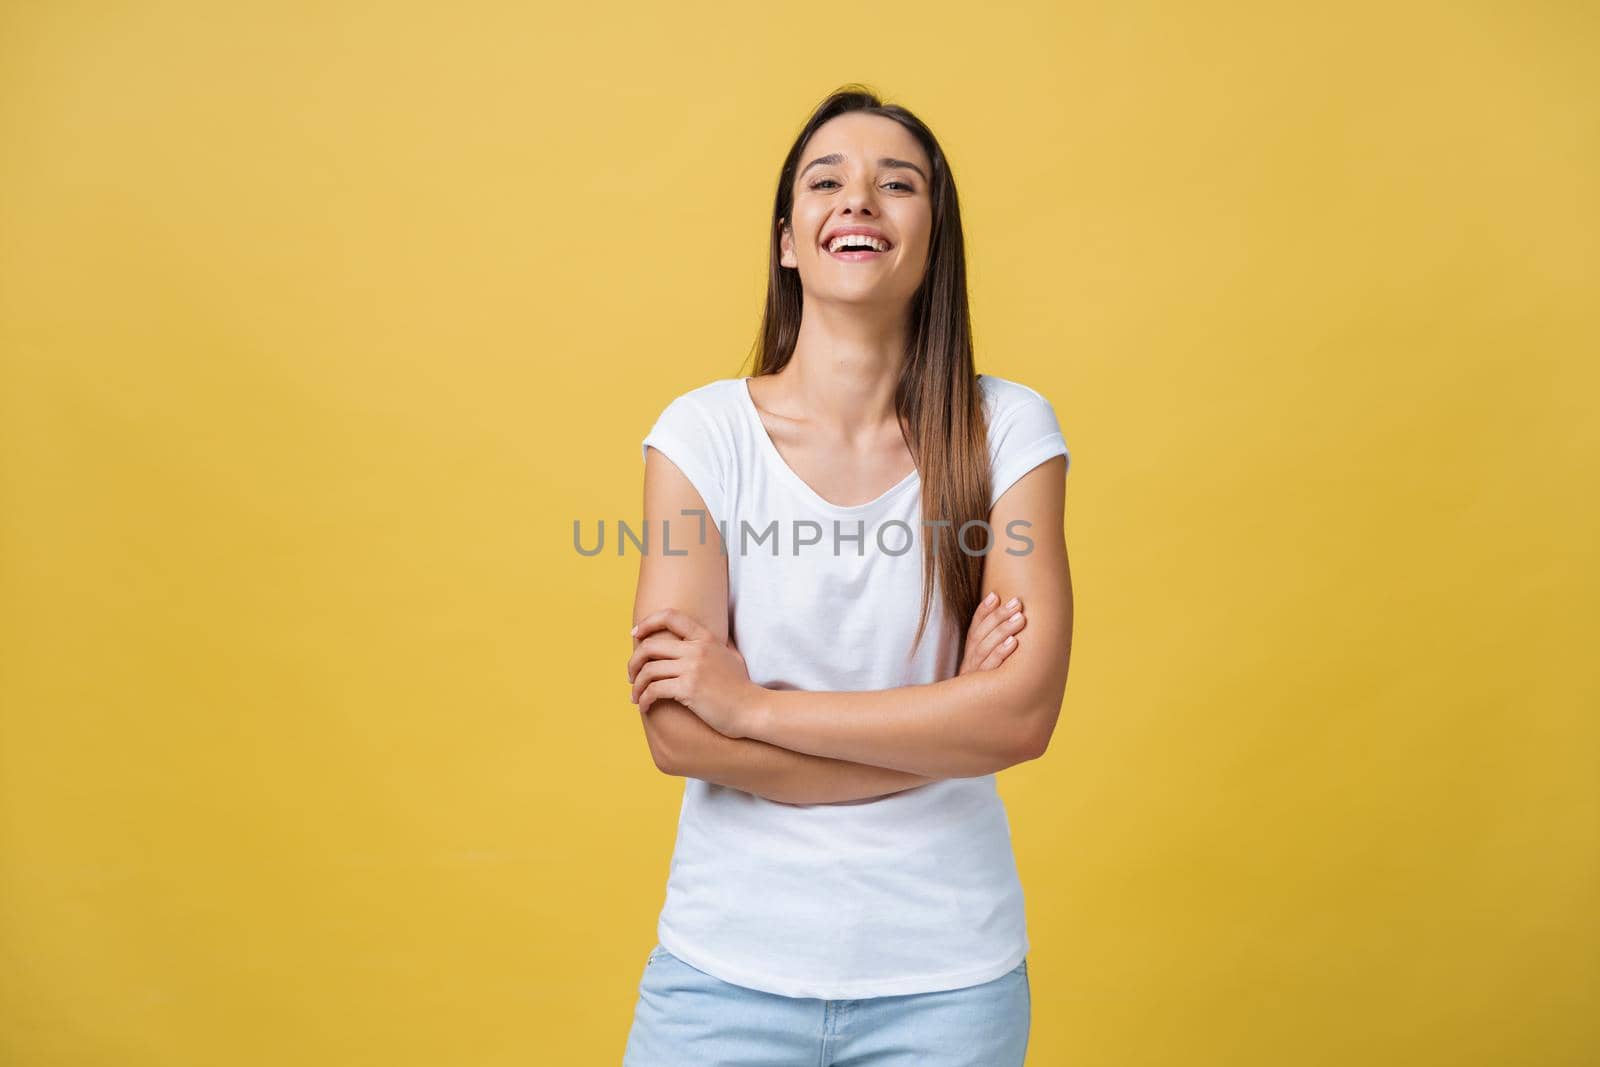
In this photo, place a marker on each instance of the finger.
(657, 646)
(982, 622)
(663, 645)
(996, 617)
(1001, 642)
(986, 608)
(664, 689)
(685, 626)
(1004, 628)
(997, 630)
(653, 671)
(998, 656)
(998, 614)
(984, 628)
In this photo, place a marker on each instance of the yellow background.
(322, 323)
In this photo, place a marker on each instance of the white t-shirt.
(908, 893)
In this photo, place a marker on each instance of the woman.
(843, 889)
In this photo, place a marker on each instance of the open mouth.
(853, 250)
(855, 254)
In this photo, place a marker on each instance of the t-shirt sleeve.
(684, 435)
(1025, 433)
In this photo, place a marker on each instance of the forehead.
(861, 137)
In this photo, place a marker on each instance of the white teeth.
(859, 240)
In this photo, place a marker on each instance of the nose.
(860, 198)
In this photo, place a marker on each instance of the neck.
(845, 368)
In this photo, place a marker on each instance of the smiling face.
(860, 172)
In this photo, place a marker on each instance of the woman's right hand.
(992, 635)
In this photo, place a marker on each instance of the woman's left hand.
(679, 659)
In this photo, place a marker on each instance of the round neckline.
(770, 447)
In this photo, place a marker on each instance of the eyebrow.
(837, 157)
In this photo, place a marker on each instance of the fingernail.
(1013, 602)
(1015, 617)
(634, 632)
(990, 599)
(1009, 641)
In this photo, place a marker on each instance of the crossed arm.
(820, 747)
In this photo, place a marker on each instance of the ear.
(786, 255)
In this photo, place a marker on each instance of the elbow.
(1030, 747)
(1022, 745)
(663, 762)
(1035, 731)
(660, 751)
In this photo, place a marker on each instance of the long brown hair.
(937, 397)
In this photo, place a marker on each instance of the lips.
(855, 255)
(845, 231)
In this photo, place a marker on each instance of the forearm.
(962, 727)
(690, 748)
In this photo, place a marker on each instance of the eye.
(829, 181)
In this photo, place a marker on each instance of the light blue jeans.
(687, 1018)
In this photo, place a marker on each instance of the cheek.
(807, 225)
(918, 232)
(918, 252)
